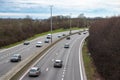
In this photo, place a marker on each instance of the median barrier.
(16, 72)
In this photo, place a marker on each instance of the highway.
(24, 50)
(70, 57)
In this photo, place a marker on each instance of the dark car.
(64, 35)
(58, 64)
(68, 38)
(34, 71)
(79, 33)
(15, 58)
(26, 43)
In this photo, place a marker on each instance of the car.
(49, 36)
(59, 36)
(15, 58)
(66, 45)
(79, 33)
(46, 41)
(26, 43)
(58, 64)
(34, 72)
(84, 32)
(39, 44)
(64, 35)
(68, 38)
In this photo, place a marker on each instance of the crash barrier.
(16, 72)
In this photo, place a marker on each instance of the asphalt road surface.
(24, 50)
(70, 57)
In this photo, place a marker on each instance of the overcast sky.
(40, 9)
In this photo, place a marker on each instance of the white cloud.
(88, 7)
(23, 15)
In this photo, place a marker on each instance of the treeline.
(14, 30)
(104, 46)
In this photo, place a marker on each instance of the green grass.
(38, 35)
(89, 68)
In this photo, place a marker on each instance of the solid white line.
(80, 63)
(62, 76)
(52, 59)
(47, 69)
(63, 72)
(62, 79)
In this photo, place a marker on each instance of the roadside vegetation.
(104, 46)
(17, 30)
(90, 68)
(38, 35)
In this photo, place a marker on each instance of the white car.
(34, 71)
(66, 45)
(49, 36)
(39, 44)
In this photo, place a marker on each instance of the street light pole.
(51, 20)
(70, 23)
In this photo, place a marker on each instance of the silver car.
(34, 71)
(46, 41)
(66, 45)
(15, 58)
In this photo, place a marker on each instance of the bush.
(104, 44)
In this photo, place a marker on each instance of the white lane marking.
(63, 72)
(69, 54)
(63, 76)
(62, 79)
(56, 53)
(80, 63)
(35, 63)
(47, 69)
(52, 60)
(67, 58)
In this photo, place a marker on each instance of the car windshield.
(15, 56)
(39, 42)
(32, 70)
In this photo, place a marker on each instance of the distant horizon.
(40, 9)
(54, 16)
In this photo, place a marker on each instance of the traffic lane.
(25, 52)
(34, 40)
(10, 51)
(72, 68)
(5, 60)
(52, 74)
(48, 64)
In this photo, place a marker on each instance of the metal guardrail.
(19, 69)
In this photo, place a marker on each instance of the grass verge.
(89, 68)
(38, 35)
